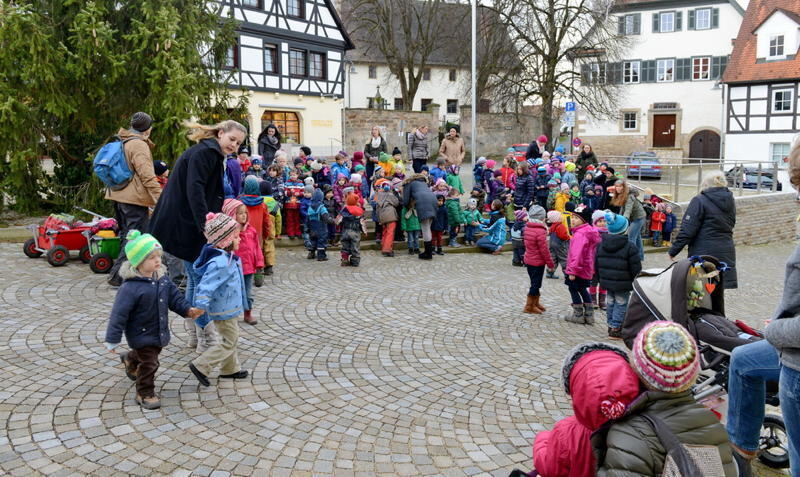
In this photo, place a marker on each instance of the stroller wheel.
(774, 443)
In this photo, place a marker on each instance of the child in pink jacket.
(249, 251)
(580, 265)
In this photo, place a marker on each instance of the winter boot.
(529, 305)
(321, 256)
(312, 254)
(588, 313)
(614, 333)
(190, 327)
(601, 301)
(439, 250)
(453, 243)
(537, 304)
(428, 253)
(258, 280)
(248, 317)
(594, 299)
(267, 270)
(354, 261)
(410, 251)
(577, 314)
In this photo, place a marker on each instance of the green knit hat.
(139, 246)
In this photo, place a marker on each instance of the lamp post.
(351, 70)
(474, 5)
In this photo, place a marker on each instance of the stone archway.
(704, 144)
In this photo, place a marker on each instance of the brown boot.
(529, 305)
(537, 304)
(248, 317)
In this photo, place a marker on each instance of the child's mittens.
(112, 347)
(195, 313)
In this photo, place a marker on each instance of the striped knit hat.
(139, 246)
(220, 230)
(665, 357)
(230, 206)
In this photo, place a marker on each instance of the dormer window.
(775, 46)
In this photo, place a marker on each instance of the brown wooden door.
(704, 145)
(664, 130)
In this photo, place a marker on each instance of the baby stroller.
(690, 293)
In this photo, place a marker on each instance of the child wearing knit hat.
(618, 264)
(472, 219)
(137, 314)
(249, 250)
(517, 243)
(221, 292)
(581, 266)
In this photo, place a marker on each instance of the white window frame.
(661, 17)
(697, 67)
(707, 17)
(782, 46)
(667, 66)
(783, 92)
(635, 120)
(629, 68)
(781, 155)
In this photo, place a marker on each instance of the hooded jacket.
(598, 378)
(631, 448)
(220, 288)
(317, 215)
(454, 215)
(707, 229)
(143, 188)
(141, 309)
(194, 189)
(537, 253)
(416, 189)
(387, 203)
(582, 251)
(617, 263)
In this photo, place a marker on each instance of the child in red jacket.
(657, 220)
(249, 251)
(537, 256)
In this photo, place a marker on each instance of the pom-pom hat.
(139, 246)
(520, 215)
(554, 217)
(230, 206)
(220, 230)
(617, 224)
(665, 357)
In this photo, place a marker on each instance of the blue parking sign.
(570, 106)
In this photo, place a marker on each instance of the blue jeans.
(751, 366)
(248, 290)
(486, 243)
(617, 303)
(469, 232)
(412, 238)
(578, 290)
(635, 236)
(789, 395)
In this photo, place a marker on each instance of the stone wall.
(358, 125)
(498, 131)
(763, 218)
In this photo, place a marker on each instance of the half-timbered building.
(762, 82)
(289, 56)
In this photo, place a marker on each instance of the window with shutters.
(781, 100)
(631, 71)
(630, 24)
(718, 64)
(665, 70)
(683, 69)
(666, 22)
(775, 46)
(702, 19)
(598, 73)
(649, 71)
(701, 68)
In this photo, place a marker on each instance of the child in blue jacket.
(669, 225)
(317, 221)
(495, 227)
(221, 292)
(141, 310)
(439, 224)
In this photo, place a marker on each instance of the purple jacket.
(582, 251)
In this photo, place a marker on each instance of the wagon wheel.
(101, 263)
(85, 255)
(57, 256)
(30, 249)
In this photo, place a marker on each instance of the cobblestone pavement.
(399, 367)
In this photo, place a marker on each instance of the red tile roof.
(742, 67)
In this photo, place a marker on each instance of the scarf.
(419, 135)
(376, 142)
(272, 139)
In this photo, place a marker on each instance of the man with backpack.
(133, 200)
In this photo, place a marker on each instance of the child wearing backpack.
(351, 221)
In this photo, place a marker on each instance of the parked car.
(519, 151)
(747, 177)
(644, 164)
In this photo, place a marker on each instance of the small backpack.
(111, 166)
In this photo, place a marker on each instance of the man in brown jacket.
(132, 203)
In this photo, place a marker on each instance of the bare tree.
(562, 45)
(405, 32)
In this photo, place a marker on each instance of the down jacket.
(416, 189)
(525, 192)
(250, 250)
(707, 229)
(141, 309)
(630, 447)
(194, 189)
(220, 288)
(582, 251)
(143, 188)
(617, 263)
(537, 253)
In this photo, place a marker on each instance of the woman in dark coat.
(707, 226)
(269, 143)
(585, 159)
(194, 189)
(372, 150)
(417, 194)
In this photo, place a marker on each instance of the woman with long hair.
(626, 203)
(269, 143)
